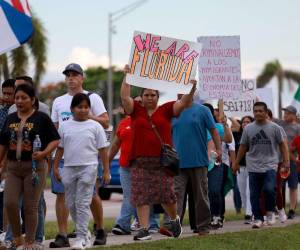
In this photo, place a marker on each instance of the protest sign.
(162, 63)
(219, 67)
(266, 95)
(243, 105)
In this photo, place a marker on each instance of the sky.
(77, 31)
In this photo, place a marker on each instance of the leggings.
(18, 183)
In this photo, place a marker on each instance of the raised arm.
(185, 101)
(127, 101)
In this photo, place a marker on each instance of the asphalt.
(232, 226)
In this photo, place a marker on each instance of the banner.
(243, 105)
(162, 63)
(219, 67)
(15, 24)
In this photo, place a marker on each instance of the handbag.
(168, 156)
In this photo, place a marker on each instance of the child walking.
(82, 141)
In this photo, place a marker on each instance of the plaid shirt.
(3, 115)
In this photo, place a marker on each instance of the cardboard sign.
(162, 63)
(243, 105)
(219, 67)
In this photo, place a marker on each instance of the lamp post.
(113, 17)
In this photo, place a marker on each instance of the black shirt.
(37, 124)
(237, 138)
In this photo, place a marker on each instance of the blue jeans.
(127, 210)
(39, 235)
(258, 183)
(215, 189)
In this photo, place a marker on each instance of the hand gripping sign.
(162, 63)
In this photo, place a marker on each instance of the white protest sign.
(266, 95)
(219, 67)
(162, 63)
(243, 105)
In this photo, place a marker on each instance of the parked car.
(115, 185)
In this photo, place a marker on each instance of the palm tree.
(16, 61)
(274, 69)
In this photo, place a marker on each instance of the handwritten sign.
(219, 67)
(162, 63)
(243, 105)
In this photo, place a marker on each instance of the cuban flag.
(15, 24)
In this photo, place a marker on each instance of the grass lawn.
(271, 239)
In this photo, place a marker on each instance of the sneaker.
(135, 226)
(88, 239)
(118, 230)
(153, 230)
(60, 241)
(10, 245)
(282, 216)
(72, 234)
(38, 245)
(79, 244)
(257, 224)
(142, 234)
(291, 214)
(271, 218)
(100, 238)
(216, 222)
(2, 238)
(175, 227)
(248, 219)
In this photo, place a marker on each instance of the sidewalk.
(232, 226)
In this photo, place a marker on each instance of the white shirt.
(226, 147)
(61, 111)
(81, 141)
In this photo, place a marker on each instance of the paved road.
(111, 207)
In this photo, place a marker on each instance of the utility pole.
(113, 17)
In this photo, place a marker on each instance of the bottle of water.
(2, 186)
(213, 160)
(37, 144)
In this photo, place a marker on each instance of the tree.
(274, 69)
(16, 61)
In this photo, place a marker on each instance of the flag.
(15, 24)
(296, 101)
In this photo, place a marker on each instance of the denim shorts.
(58, 188)
(293, 177)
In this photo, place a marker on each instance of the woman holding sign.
(150, 183)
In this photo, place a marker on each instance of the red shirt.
(124, 133)
(145, 141)
(296, 144)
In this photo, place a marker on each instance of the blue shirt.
(190, 135)
(220, 129)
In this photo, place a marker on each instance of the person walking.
(61, 113)
(261, 140)
(150, 183)
(26, 169)
(190, 140)
(82, 140)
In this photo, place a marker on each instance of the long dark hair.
(29, 90)
(246, 117)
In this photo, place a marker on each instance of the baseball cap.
(290, 109)
(73, 67)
